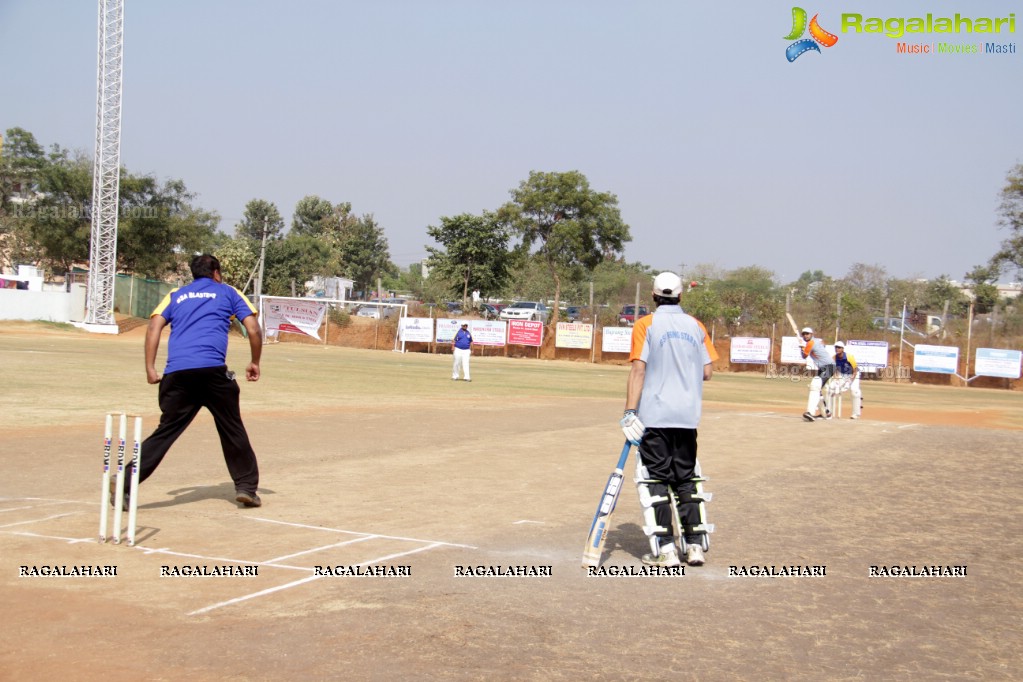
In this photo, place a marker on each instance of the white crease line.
(70, 541)
(270, 590)
(353, 532)
(35, 506)
(48, 518)
(40, 499)
(318, 549)
(168, 552)
(907, 426)
(540, 523)
(207, 609)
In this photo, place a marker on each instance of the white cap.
(807, 330)
(667, 284)
(839, 344)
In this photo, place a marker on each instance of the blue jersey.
(845, 364)
(463, 340)
(200, 315)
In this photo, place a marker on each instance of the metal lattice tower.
(106, 168)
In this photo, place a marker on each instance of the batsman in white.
(814, 348)
(845, 364)
(671, 357)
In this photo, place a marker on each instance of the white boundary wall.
(51, 306)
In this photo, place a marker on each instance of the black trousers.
(182, 395)
(669, 455)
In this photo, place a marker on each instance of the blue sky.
(720, 151)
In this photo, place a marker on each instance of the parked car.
(377, 312)
(526, 310)
(453, 308)
(489, 311)
(574, 313)
(627, 316)
(895, 326)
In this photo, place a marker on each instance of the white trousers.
(461, 358)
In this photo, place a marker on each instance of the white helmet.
(839, 344)
(807, 330)
(667, 284)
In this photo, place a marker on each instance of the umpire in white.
(671, 357)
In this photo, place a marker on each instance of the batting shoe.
(855, 416)
(113, 496)
(694, 555)
(247, 499)
(807, 416)
(669, 558)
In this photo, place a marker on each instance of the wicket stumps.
(118, 488)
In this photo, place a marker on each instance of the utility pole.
(262, 260)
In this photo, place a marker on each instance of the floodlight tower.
(106, 172)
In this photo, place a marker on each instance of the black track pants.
(182, 395)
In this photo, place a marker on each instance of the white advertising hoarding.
(488, 332)
(616, 340)
(753, 350)
(937, 359)
(994, 362)
(416, 329)
(868, 353)
(790, 353)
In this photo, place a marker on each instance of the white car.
(377, 312)
(526, 310)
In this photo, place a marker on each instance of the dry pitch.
(378, 458)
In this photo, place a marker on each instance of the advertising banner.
(753, 350)
(488, 332)
(993, 362)
(790, 353)
(868, 353)
(419, 329)
(446, 329)
(573, 335)
(616, 340)
(525, 333)
(937, 359)
(293, 316)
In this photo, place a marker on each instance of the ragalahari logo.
(818, 36)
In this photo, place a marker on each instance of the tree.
(943, 289)
(260, 213)
(573, 225)
(362, 251)
(57, 218)
(158, 228)
(982, 282)
(475, 254)
(238, 257)
(748, 296)
(311, 214)
(1011, 211)
(296, 258)
(22, 159)
(867, 284)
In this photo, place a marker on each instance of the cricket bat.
(792, 322)
(602, 519)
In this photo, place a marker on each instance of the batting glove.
(802, 342)
(632, 427)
